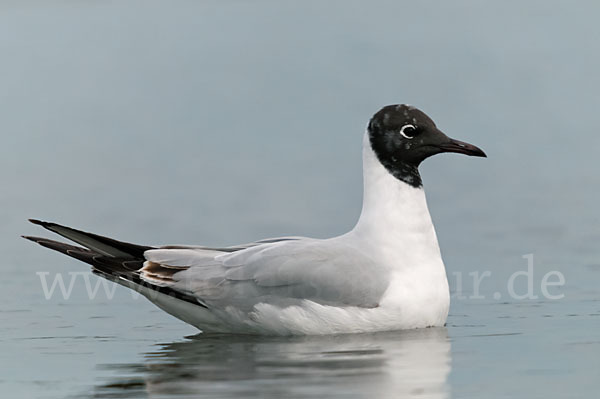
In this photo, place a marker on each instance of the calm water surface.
(223, 122)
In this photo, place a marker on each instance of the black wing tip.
(43, 223)
(43, 241)
(40, 222)
(106, 268)
(32, 238)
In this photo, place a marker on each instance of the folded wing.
(279, 272)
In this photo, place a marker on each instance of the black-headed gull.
(385, 274)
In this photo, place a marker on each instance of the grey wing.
(280, 271)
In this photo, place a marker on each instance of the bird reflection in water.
(413, 363)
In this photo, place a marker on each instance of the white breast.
(395, 225)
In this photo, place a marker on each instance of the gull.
(385, 274)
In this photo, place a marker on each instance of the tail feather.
(100, 244)
(114, 260)
(55, 245)
(107, 264)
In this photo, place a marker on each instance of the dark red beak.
(462, 148)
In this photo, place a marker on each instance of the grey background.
(222, 122)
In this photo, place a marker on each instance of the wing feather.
(325, 271)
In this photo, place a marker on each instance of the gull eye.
(408, 131)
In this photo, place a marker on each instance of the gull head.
(403, 136)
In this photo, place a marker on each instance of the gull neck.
(394, 212)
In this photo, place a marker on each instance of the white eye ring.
(403, 133)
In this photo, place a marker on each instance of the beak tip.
(463, 148)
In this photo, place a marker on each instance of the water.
(223, 122)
